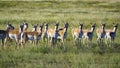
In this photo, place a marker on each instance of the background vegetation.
(86, 11)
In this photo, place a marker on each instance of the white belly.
(12, 36)
(30, 37)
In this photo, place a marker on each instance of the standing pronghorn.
(33, 36)
(53, 34)
(62, 33)
(16, 34)
(77, 33)
(44, 34)
(101, 34)
(88, 34)
(111, 34)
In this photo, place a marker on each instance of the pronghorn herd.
(38, 32)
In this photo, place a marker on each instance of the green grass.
(86, 11)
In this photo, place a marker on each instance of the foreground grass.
(95, 11)
(42, 56)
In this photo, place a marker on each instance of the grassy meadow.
(73, 12)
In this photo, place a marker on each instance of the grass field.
(73, 12)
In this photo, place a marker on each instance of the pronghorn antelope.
(88, 34)
(101, 33)
(33, 36)
(44, 34)
(111, 34)
(62, 33)
(15, 33)
(77, 33)
(53, 33)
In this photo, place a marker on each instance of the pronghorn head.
(93, 27)
(25, 25)
(115, 25)
(35, 27)
(66, 25)
(46, 26)
(56, 26)
(103, 25)
(10, 27)
(80, 25)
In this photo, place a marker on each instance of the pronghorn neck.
(25, 25)
(65, 29)
(56, 28)
(92, 29)
(40, 29)
(20, 30)
(114, 29)
(46, 28)
(80, 27)
(103, 28)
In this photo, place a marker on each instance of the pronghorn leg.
(47, 42)
(33, 42)
(80, 41)
(63, 43)
(5, 42)
(84, 41)
(21, 43)
(17, 43)
(98, 41)
(109, 43)
(87, 42)
(90, 42)
(50, 41)
(55, 42)
(112, 41)
(3, 46)
(106, 41)
(36, 42)
(74, 40)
